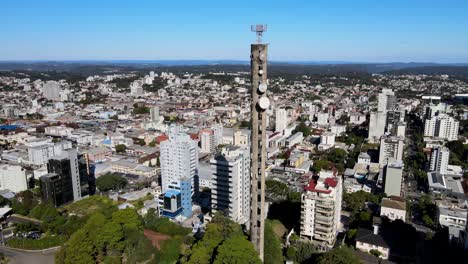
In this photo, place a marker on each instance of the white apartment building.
(393, 176)
(241, 138)
(386, 100)
(40, 152)
(51, 90)
(322, 119)
(357, 119)
(179, 159)
(441, 126)
(218, 134)
(136, 88)
(327, 140)
(376, 126)
(321, 210)
(390, 147)
(13, 178)
(439, 159)
(281, 121)
(231, 183)
(207, 141)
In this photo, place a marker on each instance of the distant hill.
(86, 68)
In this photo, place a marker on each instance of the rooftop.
(394, 202)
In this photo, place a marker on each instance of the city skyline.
(420, 31)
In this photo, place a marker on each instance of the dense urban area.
(151, 164)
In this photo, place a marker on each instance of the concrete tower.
(260, 103)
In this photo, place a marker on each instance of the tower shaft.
(258, 64)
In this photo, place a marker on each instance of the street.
(21, 257)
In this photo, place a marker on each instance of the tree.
(110, 181)
(375, 252)
(272, 245)
(321, 164)
(300, 251)
(79, 249)
(342, 255)
(237, 250)
(120, 148)
(302, 127)
(276, 189)
(128, 219)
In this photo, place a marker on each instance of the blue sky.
(313, 30)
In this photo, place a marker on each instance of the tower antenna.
(259, 29)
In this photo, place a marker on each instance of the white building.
(390, 147)
(393, 208)
(321, 210)
(156, 121)
(393, 176)
(441, 126)
(241, 138)
(386, 100)
(281, 121)
(439, 159)
(401, 130)
(179, 159)
(368, 240)
(327, 140)
(338, 129)
(453, 217)
(357, 119)
(40, 152)
(13, 178)
(207, 141)
(231, 183)
(61, 131)
(294, 139)
(364, 158)
(376, 126)
(51, 90)
(136, 88)
(322, 119)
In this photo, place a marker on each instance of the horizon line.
(227, 60)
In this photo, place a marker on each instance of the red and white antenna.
(259, 29)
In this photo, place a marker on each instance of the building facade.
(321, 210)
(441, 126)
(231, 183)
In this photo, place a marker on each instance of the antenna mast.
(259, 29)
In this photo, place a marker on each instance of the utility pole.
(260, 103)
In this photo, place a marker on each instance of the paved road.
(23, 219)
(22, 257)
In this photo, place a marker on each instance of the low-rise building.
(393, 208)
(127, 167)
(368, 240)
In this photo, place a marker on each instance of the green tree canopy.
(342, 255)
(302, 127)
(237, 250)
(110, 181)
(120, 148)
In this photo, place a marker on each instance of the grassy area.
(91, 205)
(43, 243)
(279, 229)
